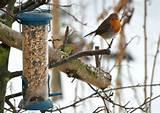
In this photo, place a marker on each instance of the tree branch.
(153, 70)
(16, 74)
(145, 50)
(30, 5)
(74, 68)
(81, 54)
(95, 94)
(10, 37)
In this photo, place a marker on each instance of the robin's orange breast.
(116, 25)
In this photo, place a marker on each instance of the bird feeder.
(35, 60)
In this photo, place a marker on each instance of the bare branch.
(68, 5)
(75, 18)
(93, 95)
(81, 54)
(16, 74)
(30, 5)
(103, 98)
(97, 58)
(74, 68)
(145, 49)
(10, 37)
(145, 102)
(153, 70)
(65, 37)
(12, 16)
(11, 105)
(13, 95)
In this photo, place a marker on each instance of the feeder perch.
(35, 60)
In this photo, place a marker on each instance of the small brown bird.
(108, 28)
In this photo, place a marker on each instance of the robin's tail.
(90, 33)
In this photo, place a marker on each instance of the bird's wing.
(104, 27)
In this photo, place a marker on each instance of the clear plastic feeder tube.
(35, 63)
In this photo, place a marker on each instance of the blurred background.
(126, 63)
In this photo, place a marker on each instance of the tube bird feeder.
(35, 60)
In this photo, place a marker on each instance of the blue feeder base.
(43, 105)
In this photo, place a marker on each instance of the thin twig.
(108, 90)
(131, 77)
(97, 58)
(16, 74)
(98, 109)
(12, 16)
(11, 105)
(13, 95)
(75, 18)
(103, 99)
(145, 102)
(8, 110)
(153, 71)
(60, 5)
(145, 49)
(65, 37)
(80, 54)
(124, 48)
(29, 5)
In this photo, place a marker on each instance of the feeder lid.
(34, 18)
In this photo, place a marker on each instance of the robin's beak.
(116, 25)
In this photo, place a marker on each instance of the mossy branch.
(74, 68)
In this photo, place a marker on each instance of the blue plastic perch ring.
(44, 105)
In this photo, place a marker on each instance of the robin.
(108, 28)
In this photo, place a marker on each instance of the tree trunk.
(4, 74)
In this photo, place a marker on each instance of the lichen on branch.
(76, 68)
